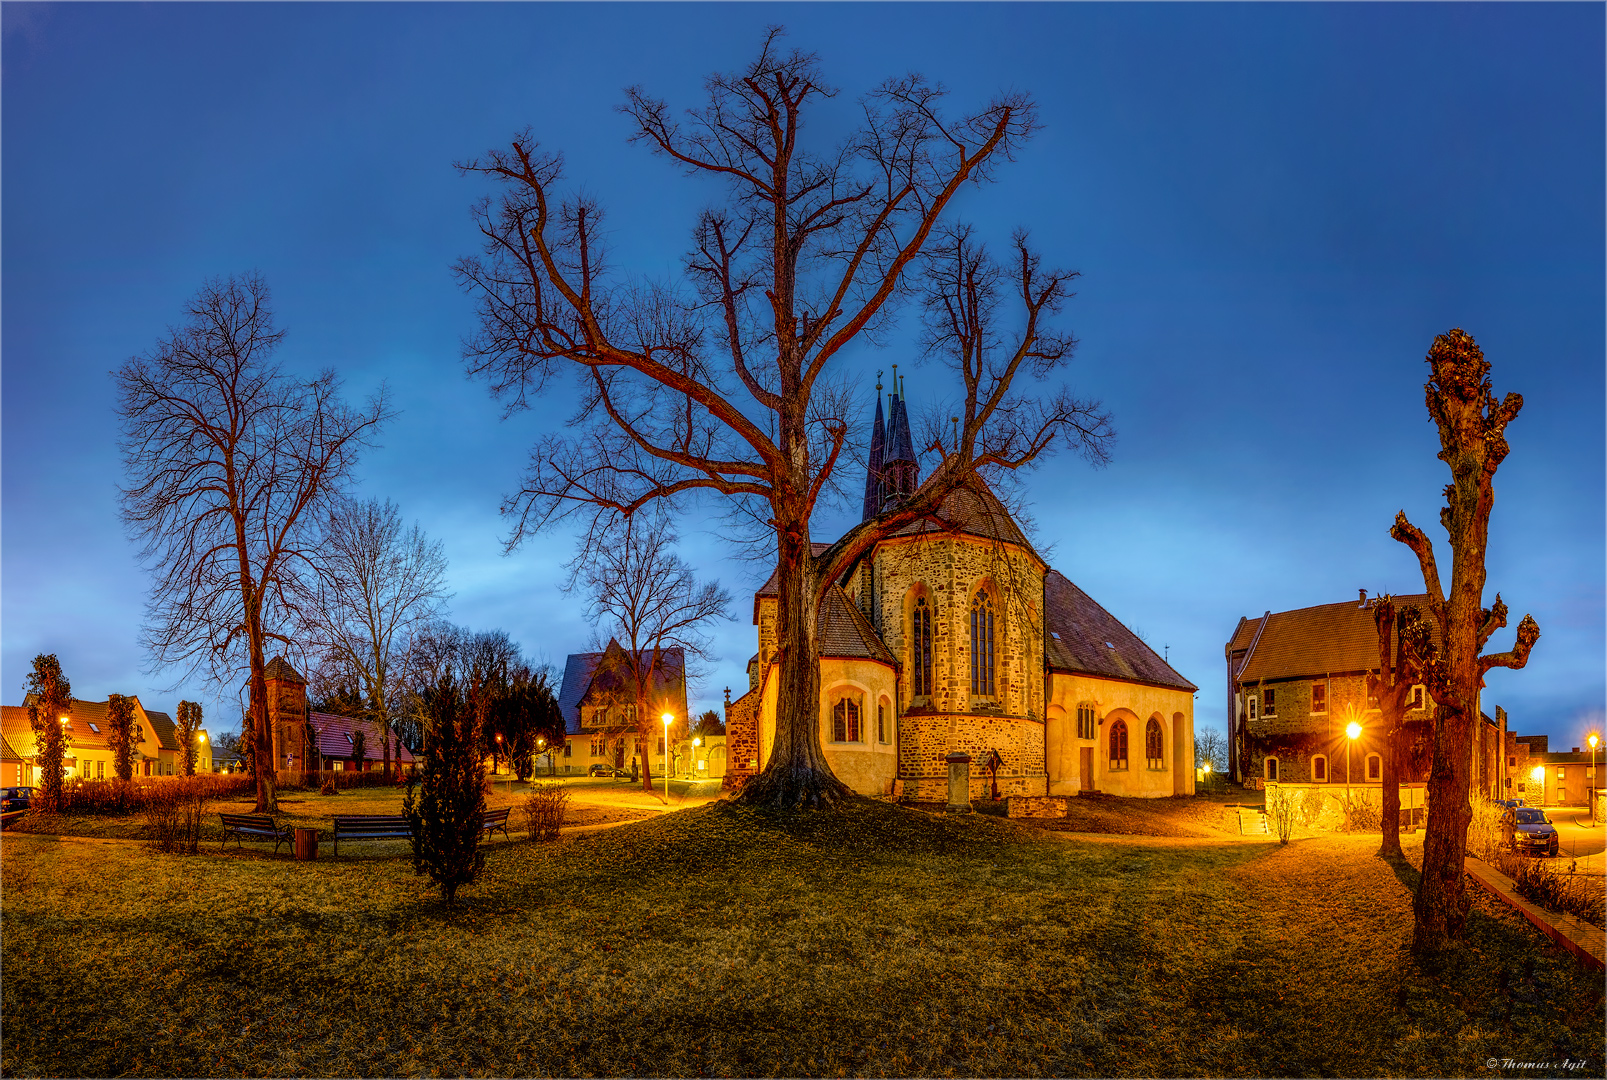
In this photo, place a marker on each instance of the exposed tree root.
(794, 789)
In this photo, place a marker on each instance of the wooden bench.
(496, 819)
(370, 827)
(254, 827)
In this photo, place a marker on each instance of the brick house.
(598, 701)
(1298, 679)
(955, 634)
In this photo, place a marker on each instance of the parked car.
(14, 798)
(606, 770)
(1529, 831)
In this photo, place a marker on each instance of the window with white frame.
(1249, 706)
(1319, 696)
(1269, 701)
(1270, 768)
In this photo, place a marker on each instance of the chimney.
(1363, 601)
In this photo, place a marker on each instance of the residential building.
(955, 634)
(598, 701)
(88, 756)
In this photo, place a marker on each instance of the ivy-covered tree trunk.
(1473, 444)
(1402, 638)
(120, 735)
(50, 701)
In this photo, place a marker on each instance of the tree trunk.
(1390, 814)
(267, 788)
(797, 774)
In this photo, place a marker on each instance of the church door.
(1085, 767)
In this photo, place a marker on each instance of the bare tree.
(229, 463)
(1404, 646)
(642, 592)
(1473, 444)
(1210, 746)
(724, 385)
(378, 583)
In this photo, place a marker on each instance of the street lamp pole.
(1595, 777)
(668, 718)
(1352, 732)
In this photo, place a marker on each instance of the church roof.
(279, 668)
(974, 509)
(845, 632)
(1316, 640)
(1086, 639)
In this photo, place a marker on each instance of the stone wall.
(1036, 806)
(741, 739)
(925, 739)
(1295, 734)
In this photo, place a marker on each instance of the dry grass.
(723, 941)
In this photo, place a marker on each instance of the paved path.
(1580, 938)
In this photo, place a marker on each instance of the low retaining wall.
(1036, 806)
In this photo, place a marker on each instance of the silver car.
(1529, 831)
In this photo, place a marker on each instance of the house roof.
(335, 738)
(581, 670)
(772, 585)
(16, 733)
(1315, 641)
(845, 632)
(166, 730)
(1085, 638)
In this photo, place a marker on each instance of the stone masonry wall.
(952, 568)
(1294, 734)
(926, 739)
(741, 739)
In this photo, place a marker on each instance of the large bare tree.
(1472, 426)
(639, 590)
(229, 462)
(378, 583)
(728, 382)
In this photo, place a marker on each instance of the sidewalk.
(1580, 938)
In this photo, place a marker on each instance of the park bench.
(496, 819)
(254, 827)
(370, 827)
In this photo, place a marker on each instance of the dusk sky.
(1274, 210)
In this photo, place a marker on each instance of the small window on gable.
(1319, 769)
(1269, 702)
(1319, 696)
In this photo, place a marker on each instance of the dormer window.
(94, 727)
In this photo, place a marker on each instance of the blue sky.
(1274, 210)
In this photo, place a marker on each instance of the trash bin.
(306, 844)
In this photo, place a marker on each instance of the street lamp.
(697, 741)
(668, 719)
(1595, 778)
(496, 762)
(541, 748)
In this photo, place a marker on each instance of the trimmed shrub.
(446, 806)
(544, 810)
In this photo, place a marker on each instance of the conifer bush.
(446, 806)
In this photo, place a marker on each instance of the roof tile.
(1084, 637)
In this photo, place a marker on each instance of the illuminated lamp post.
(668, 719)
(541, 748)
(496, 758)
(1352, 733)
(697, 741)
(1595, 778)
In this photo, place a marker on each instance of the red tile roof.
(335, 738)
(972, 509)
(845, 632)
(1316, 641)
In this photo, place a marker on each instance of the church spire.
(873, 474)
(899, 468)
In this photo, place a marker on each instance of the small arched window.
(1085, 721)
(982, 645)
(881, 721)
(845, 720)
(1153, 753)
(1271, 766)
(1375, 767)
(1319, 769)
(921, 648)
(1118, 745)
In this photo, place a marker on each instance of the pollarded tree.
(1404, 650)
(50, 704)
(1473, 444)
(122, 735)
(188, 725)
(229, 464)
(731, 384)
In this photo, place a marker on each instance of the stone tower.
(287, 715)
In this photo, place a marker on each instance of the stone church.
(955, 635)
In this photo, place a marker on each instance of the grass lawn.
(723, 941)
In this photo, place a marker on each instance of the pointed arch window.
(845, 721)
(1153, 744)
(921, 647)
(1118, 745)
(982, 645)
